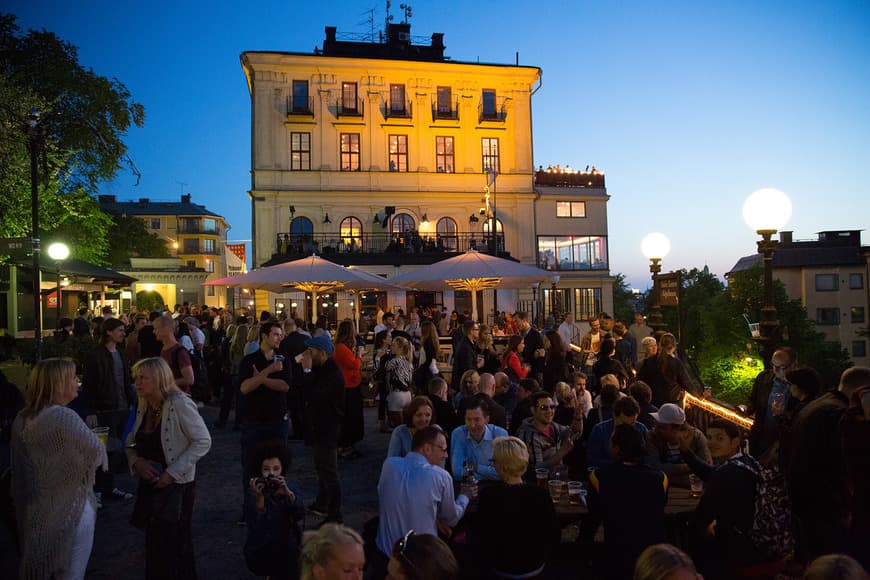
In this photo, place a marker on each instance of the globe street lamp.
(766, 211)
(655, 246)
(58, 252)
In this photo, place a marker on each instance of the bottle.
(468, 468)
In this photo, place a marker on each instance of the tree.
(623, 300)
(83, 118)
(128, 237)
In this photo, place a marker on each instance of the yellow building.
(389, 155)
(196, 239)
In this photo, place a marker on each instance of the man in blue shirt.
(625, 412)
(471, 444)
(414, 492)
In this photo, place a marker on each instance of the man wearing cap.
(264, 386)
(323, 397)
(663, 444)
(197, 336)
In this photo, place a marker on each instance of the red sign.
(51, 300)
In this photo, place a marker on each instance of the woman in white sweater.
(167, 439)
(54, 460)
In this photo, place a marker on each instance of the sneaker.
(317, 510)
(121, 494)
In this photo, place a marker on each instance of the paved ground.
(218, 540)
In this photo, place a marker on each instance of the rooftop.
(144, 206)
(831, 248)
(557, 176)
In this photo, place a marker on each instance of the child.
(273, 510)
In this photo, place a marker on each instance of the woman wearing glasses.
(422, 557)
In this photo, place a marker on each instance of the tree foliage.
(128, 237)
(83, 118)
(623, 300)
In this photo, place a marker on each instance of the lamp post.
(655, 246)
(58, 252)
(33, 134)
(766, 211)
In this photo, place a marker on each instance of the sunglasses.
(399, 552)
(547, 407)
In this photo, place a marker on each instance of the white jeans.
(83, 541)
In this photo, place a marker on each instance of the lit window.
(350, 152)
(857, 313)
(397, 100)
(398, 153)
(444, 154)
(489, 150)
(350, 230)
(348, 98)
(569, 209)
(300, 151)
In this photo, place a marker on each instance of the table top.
(680, 501)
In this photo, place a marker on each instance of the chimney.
(185, 198)
(785, 238)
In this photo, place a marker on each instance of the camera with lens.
(270, 484)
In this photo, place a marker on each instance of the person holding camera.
(273, 511)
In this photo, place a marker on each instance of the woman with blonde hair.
(232, 394)
(509, 510)
(491, 360)
(399, 379)
(54, 461)
(333, 551)
(167, 439)
(665, 562)
(566, 399)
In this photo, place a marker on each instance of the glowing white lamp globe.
(655, 246)
(58, 251)
(767, 210)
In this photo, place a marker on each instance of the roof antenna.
(182, 184)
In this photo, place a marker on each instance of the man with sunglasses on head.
(548, 442)
(770, 388)
(415, 493)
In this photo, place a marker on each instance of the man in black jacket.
(769, 385)
(323, 386)
(465, 353)
(533, 347)
(292, 346)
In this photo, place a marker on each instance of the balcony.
(493, 112)
(383, 248)
(448, 111)
(398, 110)
(349, 107)
(195, 228)
(555, 178)
(300, 106)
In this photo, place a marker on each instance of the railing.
(350, 109)
(442, 111)
(497, 113)
(300, 105)
(406, 112)
(559, 179)
(300, 245)
(199, 229)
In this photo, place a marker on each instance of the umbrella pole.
(314, 308)
(474, 305)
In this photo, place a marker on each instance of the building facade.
(196, 239)
(389, 155)
(829, 276)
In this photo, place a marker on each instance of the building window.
(300, 98)
(155, 223)
(444, 154)
(489, 150)
(209, 226)
(191, 246)
(572, 252)
(348, 98)
(210, 291)
(857, 313)
(300, 151)
(856, 281)
(350, 230)
(208, 246)
(397, 100)
(587, 302)
(209, 265)
(350, 152)
(571, 209)
(489, 111)
(827, 316)
(191, 264)
(444, 102)
(827, 282)
(446, 234)
(859, 348)
(403, 223)
(399, 153)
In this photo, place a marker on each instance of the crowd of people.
(475, 428)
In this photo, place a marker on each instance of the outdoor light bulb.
(280, 305)
(655, 246)
(58, 251)
(767, 210)
(292, 305)
(325, 305)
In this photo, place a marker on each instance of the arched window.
(301, 226)
(403, 223)
(350, 230)
(487, 223)
(446, 230)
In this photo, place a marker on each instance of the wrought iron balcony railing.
(445, 110)
(300, 106)
(300, 245)
(402, 110)
(350, 107)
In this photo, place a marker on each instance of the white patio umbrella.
(312, 274)
(473, 271)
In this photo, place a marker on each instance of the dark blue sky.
(686, 106)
